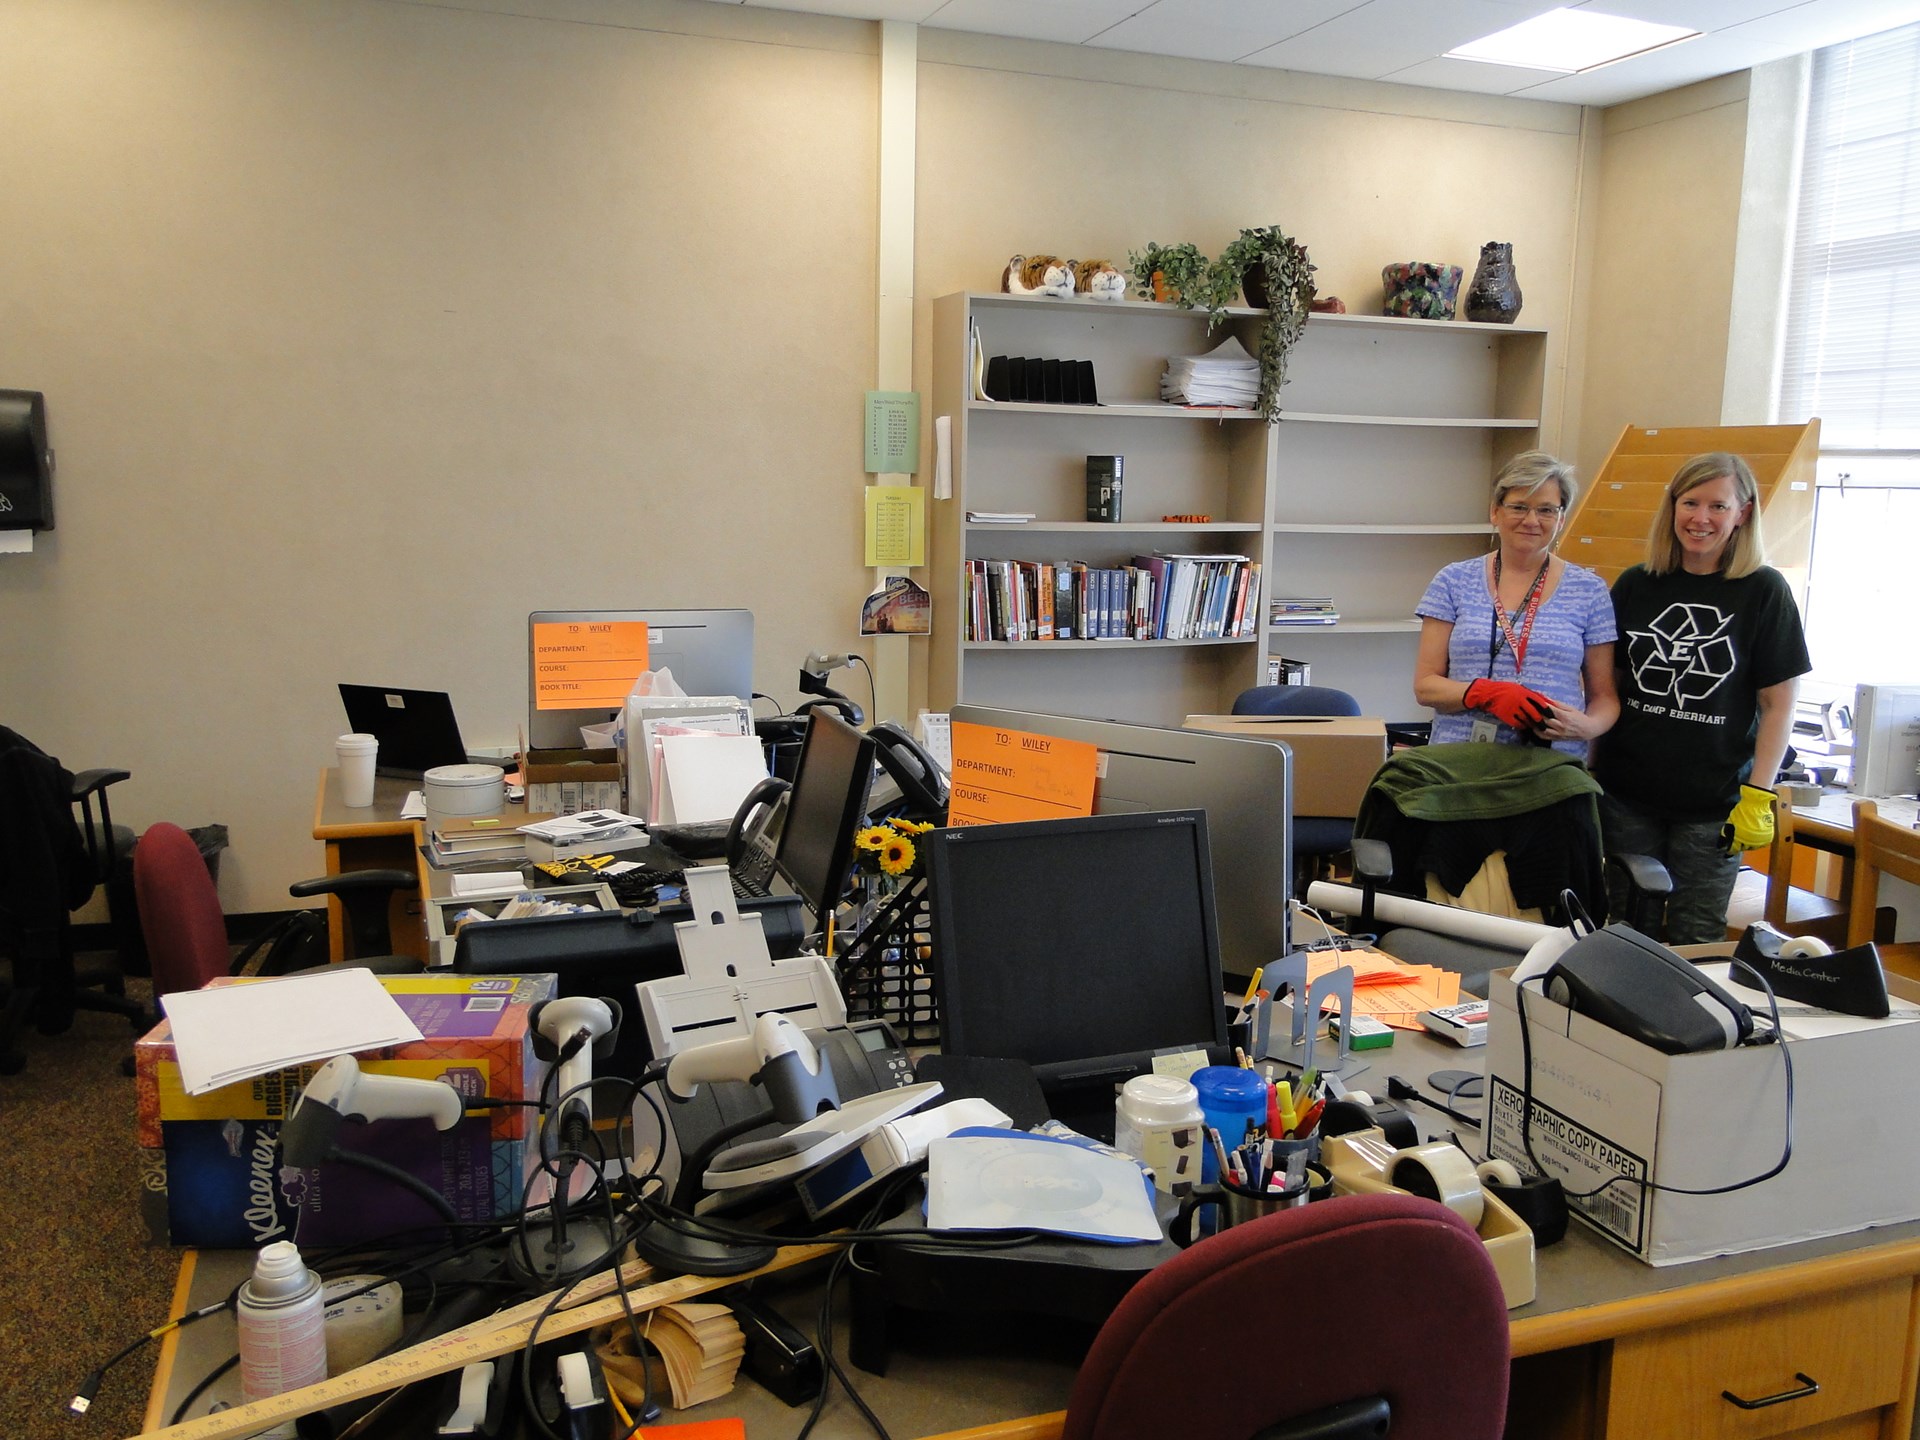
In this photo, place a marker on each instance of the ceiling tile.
(1072, 21)
(1385, 36)
(1217, 29)
(1440, 73)
(1819, 23)
(1666, 69)
(916, 11)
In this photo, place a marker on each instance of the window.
(1853, 314)
(1852, 357)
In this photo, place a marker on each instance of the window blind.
(1852, 353)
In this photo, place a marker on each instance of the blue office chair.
(1316, 838)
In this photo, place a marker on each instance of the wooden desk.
(372, 838)
(1828, 825)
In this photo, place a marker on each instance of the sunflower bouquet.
(887, 850)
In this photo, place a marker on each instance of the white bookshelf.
(1376, 474)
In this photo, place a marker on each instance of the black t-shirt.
(1694, 651)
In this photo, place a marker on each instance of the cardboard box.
(1334, 759)
(565, 782)
(219, 1180)
(1604, 1104)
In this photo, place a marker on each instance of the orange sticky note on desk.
(1001, 775)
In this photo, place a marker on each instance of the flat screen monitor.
(825, 810)
(581, 664)
(1244, 785)
(1079, 946)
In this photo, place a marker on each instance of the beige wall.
(367, 328)
(1028, 147)
(1660, 277)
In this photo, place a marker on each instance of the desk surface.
(1831, 820)
(946, 1374)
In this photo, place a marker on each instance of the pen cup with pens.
(1236, 1203)
(1263, 1148)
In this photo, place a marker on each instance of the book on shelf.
(1154, 597)
(999, 517)
(1283, 671)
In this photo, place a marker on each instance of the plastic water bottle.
(283, 1337)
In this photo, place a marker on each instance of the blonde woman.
(1517, 646)
(1711, 655)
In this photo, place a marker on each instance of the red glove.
(1510, 702)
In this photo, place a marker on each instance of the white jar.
(1158, 1120)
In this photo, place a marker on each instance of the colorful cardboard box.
(214, 1175)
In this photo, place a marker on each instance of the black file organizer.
(886, 970)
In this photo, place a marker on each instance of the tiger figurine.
(1037, 275)
(1098, 280)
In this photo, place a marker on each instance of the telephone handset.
(923, 789)
(755, 830)
(840, 705)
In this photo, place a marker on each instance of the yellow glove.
(1750, 825)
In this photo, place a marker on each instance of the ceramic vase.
(1494, 296)
(1420, 291)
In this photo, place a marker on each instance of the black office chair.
(1316, 838)
(49, 865)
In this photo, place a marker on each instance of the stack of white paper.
(704, 777)
(234, 1032)
(1226, 375)
(584, 826)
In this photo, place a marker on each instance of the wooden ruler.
(591, 1303)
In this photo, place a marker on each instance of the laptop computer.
(416, 728)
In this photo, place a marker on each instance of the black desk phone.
(867, 1057)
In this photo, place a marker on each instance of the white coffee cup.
(356, 754)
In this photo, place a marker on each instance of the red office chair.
(186, 933)
(180, 916)
(1226, 1341)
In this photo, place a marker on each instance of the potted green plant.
(1273, 271)
(1171, 274)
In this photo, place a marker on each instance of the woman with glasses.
(1712, 652)
(1517, 646)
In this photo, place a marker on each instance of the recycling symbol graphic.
(1685, 654)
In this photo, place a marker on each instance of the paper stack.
(1226, 375)
(464, 839)
(590, 832)
(702, 1345)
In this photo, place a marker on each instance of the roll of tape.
(1496, 1172)
(360, 1328)
(1439, 1171)
(1803, 946)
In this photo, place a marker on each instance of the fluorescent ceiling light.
(1570, 41)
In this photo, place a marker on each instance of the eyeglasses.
(1545, 513)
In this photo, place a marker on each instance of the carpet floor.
(78, 1276)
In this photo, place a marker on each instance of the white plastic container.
(1158, 1120)
(282, 1323)
(455, 791)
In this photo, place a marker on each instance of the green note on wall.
(893, 432)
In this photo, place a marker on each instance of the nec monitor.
(825, 810)
(26, 462)
(581, 664)
(415, 728)
(1244, 785)
(1080, 946)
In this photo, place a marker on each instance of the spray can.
(283, 1337)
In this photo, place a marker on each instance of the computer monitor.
(1886, 739)
(1080, 946)
(825, 810)
(580, 668)
(1244, 785)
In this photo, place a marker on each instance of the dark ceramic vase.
(1494, 297)
(1253, 284)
